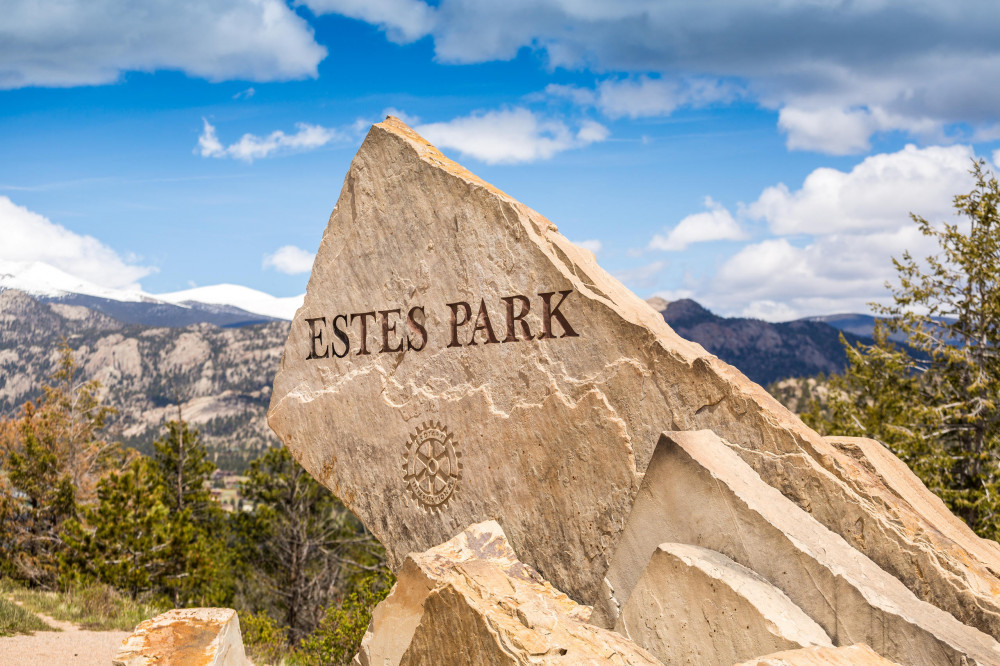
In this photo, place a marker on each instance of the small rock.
(470, 601)
(188, 636)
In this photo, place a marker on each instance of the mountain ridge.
(765, 352)
(221, 304)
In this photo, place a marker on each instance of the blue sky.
(762, 159)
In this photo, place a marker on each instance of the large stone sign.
(457, 360)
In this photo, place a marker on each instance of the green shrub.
(265, 640)
(339, 634)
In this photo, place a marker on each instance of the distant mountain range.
(767, 352)
(221, 304)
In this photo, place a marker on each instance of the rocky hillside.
(763, 351)
(221, 377)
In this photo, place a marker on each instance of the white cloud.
(845, 131)
(30, 237)
(996, 158)
(591, 132)
(878, 193)
(641, 277)
(592, 245)
(833, 131)
(245, 94)
(403, 21)
(775, 279)
(637, 98)
(576, 94)
(290, 260)
(836, 235)
(647, 97)
(251, 146)
(712, 225)
(510, 136)
(92, 42)
(855, 63)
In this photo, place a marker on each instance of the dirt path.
(72, 645)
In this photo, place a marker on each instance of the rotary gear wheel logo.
(432, 467)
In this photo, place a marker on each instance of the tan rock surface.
(875, 458)
(696, 606)
(851, 655)
(697, 490)
(470, 601)
(549, 436)
(188, 636)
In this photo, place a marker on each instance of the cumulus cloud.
(290, 260)
(845, 131)
(403, 21)
(834, 237)
(88, 42)
(592, 245)
(29, 237)
(251, 147)
(644, 97)
(775, 279)
(641, 277)
(876, 194)
(856, 63)
(715, 224)
(510, 136)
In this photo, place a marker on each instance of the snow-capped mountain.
(222, 304)
(41, 279)
(238, 296)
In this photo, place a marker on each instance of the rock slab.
(698, 491)
(850, 655)
(470, 601)
(694, 605)
(458, 360)
(189, 636)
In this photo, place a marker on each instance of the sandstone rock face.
(457, 360)
(851, 655)
(696, 606)
(470, 601)
(189, 636)
(698, 491)
(874, 458)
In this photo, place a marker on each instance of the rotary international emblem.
(431, 468)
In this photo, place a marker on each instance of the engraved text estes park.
(405, 329)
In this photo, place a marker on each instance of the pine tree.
(182, 462)
(939, 408)
(35, 501)
(71, 413)
(199, 571)
(51, 458)
(156, 529)
(129, 543)
(299, 541)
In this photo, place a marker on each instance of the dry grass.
(97, 607)
(16, 620)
